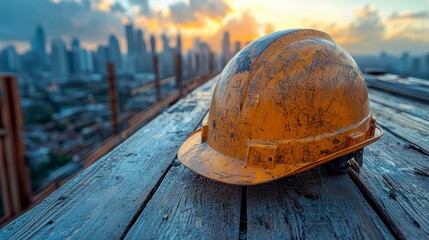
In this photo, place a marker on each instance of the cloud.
(368, 33)
(197, 11)
(269, 28)
(65, 18)
(117, 7)
(242, 28)
(368, 24)
(182, 13)
(417, 15)
(143, 6)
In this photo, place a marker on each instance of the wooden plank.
(396, 179)
(409, 127)
(412, 107)
(311, 205)
(189, 206)
(106, 196)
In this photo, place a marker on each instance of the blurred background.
(84, 73)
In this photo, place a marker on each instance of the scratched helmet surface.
(287, 102)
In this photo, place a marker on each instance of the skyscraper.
(140, 51)
(75, 44)
(152, 45)
(9, 60)
(59, 61)
(89, 61)
(426, 64)
(129, 31)
(102, 57)
(237, 46)
(405, 63)
(38, 47)
(416, 65)
(130, 59)
(166, 69)
(179, 44)
(165, 42)
(114, 52)
(75, 65)
(226, 48)
(202, 50)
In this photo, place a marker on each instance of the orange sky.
(360, 27)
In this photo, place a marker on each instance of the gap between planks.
(142, 207)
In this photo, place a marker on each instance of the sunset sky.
(360, 27)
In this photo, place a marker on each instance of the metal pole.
(179, 82)
(113, 94)
(198, 64)
(157, 82)
(211, 62)
(190, 74)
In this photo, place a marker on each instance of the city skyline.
(63, 59)
(60, 61)
(359, 27)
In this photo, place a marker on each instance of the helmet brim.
(204, 160)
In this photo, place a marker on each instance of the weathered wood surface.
(104, 198)
(140, 191)
(395, 177)
(400, 103)
(412, 128)
(312, 205)
(189, 206)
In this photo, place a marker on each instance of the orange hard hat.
(287, 102)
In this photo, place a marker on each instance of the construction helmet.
(287, 102)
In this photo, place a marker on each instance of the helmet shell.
(287, 102)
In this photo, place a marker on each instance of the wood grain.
(396, 178)
(189, 206)
(402, 104)
(404, 125)
(312, 205)
(105, 197)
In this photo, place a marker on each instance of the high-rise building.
(179, 44)
(38, 47)
(75, 44)
(83, 61)
(152, 45)
(226, 48)
(405, 63)
(426, 64)
(75, 64)
(166, 68)
(129, 31)
(9, 60)
(94, 59)
(165, 43)
(203, 51)
(102, 58)
(416, 65)
(130, 58)
(89, 61)
(114, 54)
(59, 61)
(237, 46)
(140, 51)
